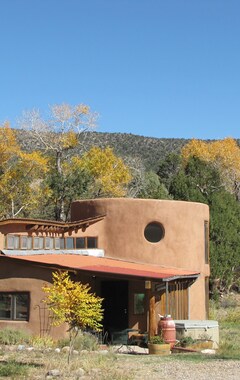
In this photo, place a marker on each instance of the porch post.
(152, 316)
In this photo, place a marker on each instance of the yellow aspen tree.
(8, 144)
(111, 175)
(224, 155)
(73, 303)
(21, 174)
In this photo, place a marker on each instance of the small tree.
(72, 303)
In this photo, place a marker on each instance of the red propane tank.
(167, 328)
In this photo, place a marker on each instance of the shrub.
(12, 368)
(42, 341)
(12, 336)
(186, 341)
(232, 316)
(228, 302)
(84, 341)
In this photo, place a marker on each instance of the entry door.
(115, 304)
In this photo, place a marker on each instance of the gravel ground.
(185, 370)
(153, 367)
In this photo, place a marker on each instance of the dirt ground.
(111, 366)
(152, 368)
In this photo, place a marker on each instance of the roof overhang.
(104, 266)
(39, 225)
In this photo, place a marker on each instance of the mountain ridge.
(149, 149)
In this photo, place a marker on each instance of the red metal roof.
(105, 265)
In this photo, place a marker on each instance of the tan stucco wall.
(121, 235)
(25, 278)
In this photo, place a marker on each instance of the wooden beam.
(152, 316)
(151, 313)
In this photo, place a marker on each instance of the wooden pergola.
(39, 225)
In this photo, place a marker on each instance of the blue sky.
(159, 68)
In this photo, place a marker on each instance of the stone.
(208, 351)
(80, 372)
(66, 349)
(95, 371)
(84, 352)
(30, 349)
(20, 347)
(103, 352)
(57, 350)
(54, 373)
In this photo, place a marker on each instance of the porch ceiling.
(105, 265)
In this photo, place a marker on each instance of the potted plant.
(204, 342)
(157, 346)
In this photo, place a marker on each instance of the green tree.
(200, 181)
(72, 303)
(152, 188)
(168, 168)
(223, 155)
(195, 181)
(224, 239)
(74, 183)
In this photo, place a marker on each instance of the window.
(91, 242)
(14, 306)
(139, 299)
(38, 242)
(80, 242)
(154, 232)
(62, 243)
(26, 242)
(69, 243)
(86, 242)
(57, 243)
(12, 242)
(49, 243)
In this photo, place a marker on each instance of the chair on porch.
(139, 339)
(121, 336)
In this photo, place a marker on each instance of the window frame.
(13, 307)
(35, 242)
(154, 232)
(93, 238)
(16, 238)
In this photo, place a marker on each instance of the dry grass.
(38, 363)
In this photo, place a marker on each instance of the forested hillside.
(150, 150)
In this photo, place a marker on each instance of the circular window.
(154, 232)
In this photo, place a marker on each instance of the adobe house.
(144, 257)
